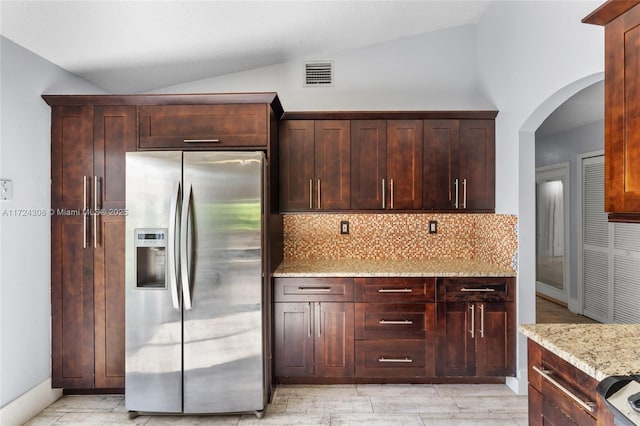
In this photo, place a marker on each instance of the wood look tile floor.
(372, 405)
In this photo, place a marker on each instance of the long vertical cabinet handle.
(310, 194)
(464, 193)
(384, 194)
(184, 248)
(482, 320)
(456, 204)
(171, 247)
(309, 310)
(97, 206)
(84, 212)
(319, 321)
(392, 196)
(472, 331)
(319, 198)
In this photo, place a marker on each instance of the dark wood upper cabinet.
(203, 126)
(386, 164)
(315, 165)
(621, 20)
(459, 165)
(368, 164)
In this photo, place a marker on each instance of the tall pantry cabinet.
(88, 144)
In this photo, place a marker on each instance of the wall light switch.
(433, 227)
(344, 227)
(6, 189)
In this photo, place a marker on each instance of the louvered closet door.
(626, 273)
(595, 250)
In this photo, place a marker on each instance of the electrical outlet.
(6, 189)
(433, 227)
(344, 227)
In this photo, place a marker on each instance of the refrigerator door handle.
(184, 248)
(171, 248)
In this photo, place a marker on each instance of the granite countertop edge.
(298, 268)
(599, 350)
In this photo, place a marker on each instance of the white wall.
(25, 263)
(532, 57)
(434, 70)
(565, 147)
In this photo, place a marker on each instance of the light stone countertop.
(390, 268)
(600, 350)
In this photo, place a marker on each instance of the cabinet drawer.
(313, 290)
(391, 358)
(395, 290)
(499, 289)
(395, 321)
(203, 126)
(568, 388)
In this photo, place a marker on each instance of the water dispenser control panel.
(151, 264)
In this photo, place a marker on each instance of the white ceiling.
(137, 46)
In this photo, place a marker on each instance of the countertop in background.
(390, 268)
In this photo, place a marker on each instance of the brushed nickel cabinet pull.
(314, 289)
(482, 320)
(473, 321)
(308, 309)
(396, 322)
(464, 193)
(310, 194)
(391, 188)
(395, 290)
(403, 360)
(384, 194)
(319, 199)
(456, 204)
(201, 140)
(84, 212)
(478, 290)
(319, 320)
(546, 374)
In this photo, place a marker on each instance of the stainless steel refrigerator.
(194, 282)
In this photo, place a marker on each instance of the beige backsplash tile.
(487, 237)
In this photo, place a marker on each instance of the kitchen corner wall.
(490, 238)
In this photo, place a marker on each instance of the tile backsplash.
(487, 237)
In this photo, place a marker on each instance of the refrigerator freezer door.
(153, 366)
(223, 360)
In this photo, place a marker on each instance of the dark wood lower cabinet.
(393, 329)
(313, 339)
(555, 387)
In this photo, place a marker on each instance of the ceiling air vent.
(318, 74)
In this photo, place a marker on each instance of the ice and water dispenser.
(151, 265)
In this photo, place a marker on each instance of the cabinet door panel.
(477, 165)
(296, 164)
(71, 304)
(71, 155)
(395, 321)
(334, 343)
(404, 164)
(109, 304)
(441, 140)
(293, 339)
(495, 339)
(224, 125)
(114, 134)
(332, 164)
(368, 163)
(455, 347)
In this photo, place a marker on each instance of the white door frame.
(559, 171)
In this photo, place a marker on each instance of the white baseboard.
(518, 384)
(574, 306)
(29, 404)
